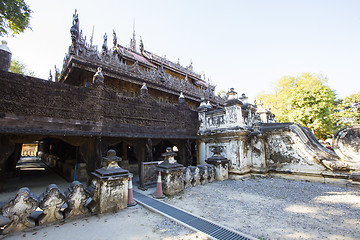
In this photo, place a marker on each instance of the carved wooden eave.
(127, 73)
(27, 108)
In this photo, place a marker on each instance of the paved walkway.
(211, 229)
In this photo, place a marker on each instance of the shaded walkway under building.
(31, 172)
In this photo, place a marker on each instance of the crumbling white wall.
(254, 146)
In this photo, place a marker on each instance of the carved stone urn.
(221, 163)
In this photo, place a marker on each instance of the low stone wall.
(26, 210)
(200, 174)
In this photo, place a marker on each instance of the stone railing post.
(221, 163)
(172, 173)
(110, 184)
(18, 210)
(51, 202)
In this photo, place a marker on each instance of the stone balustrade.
(108, 192)
(25, 210)
(200, 174)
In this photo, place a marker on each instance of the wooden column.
(6, 149)
(140, 149)
(124, 151)
(11, 166)
(182, 152)
(91, 152)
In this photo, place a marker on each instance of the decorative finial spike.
(133, 40)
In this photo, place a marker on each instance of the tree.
(18, 67)
(305, 100)
(14, 17)
(347, 111)
(221, 94)
(276, 100)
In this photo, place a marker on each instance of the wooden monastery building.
(104, 97)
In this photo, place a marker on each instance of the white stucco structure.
(255, 144)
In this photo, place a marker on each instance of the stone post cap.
(232, 94)
(169, 161)
(232, 98)
(204, 106)
(111, 167)
(111, 156)
(4, 46)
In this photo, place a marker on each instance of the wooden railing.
(148, 174)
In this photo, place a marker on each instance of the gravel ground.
(265, 208)
(277, 208)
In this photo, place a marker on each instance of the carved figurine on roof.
(74, 30)
(116, 49)
(104, 46)
(141, 46)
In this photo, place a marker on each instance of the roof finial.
(92, 37)
(133, 41)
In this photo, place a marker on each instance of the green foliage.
(19, 67)
(347, 111)
(275, 101)
(14, 17)
(222, 94)
(305, 100)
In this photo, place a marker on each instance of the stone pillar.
(258, 150)
(5, 57)
(171, 173)
(202, 153)
(221, 163)
(110, 184)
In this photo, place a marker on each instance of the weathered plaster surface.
(255, 146)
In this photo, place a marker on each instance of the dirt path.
(131, 223)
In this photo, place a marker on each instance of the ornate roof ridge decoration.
(152, 74)
(187, 70)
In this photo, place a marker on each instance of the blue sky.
(247, 45)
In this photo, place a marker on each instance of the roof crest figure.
(141, 45)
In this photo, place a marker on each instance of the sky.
(244, 44)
